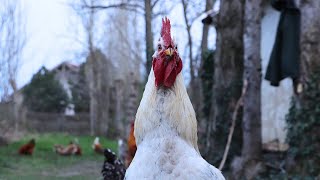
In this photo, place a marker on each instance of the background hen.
(27, 149)
(132, 147)
(113, 168)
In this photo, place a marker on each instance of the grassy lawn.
(46, 164)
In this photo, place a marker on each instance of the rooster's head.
(166, 61)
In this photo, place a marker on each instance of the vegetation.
(45, 164)
(303, 129)
(207, 80)
(80, 92)
(44, 93)
(302, 159)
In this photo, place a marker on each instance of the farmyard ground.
(44, 164)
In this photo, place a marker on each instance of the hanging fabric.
(285, 57)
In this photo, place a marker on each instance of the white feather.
(95, 142)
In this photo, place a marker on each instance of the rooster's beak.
(169, 51)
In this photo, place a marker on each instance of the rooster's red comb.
(165, 31)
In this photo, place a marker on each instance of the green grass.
(46, 164)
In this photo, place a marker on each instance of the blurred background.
(73, 70)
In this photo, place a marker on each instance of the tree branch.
(163, 13)
(188, 28)
(124, 6)
(154, 4)
(233, 124)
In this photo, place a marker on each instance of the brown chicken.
(132, 147)
(27, 149)
(97, 147)
(71, 149)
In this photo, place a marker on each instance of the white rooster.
(166, 125)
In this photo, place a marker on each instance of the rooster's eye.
(176, 47)
(159, 47)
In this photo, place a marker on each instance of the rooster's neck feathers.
(170, 109)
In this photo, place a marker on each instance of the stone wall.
(52, 122)
(36, 122)
(6, 112)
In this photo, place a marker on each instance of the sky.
(50, 26)
(48, 43)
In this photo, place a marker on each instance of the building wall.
(67, 74)
(275, 101)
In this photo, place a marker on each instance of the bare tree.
(98, 71)
(309, 39)
(228, 68)
(205, 30)
(124, 79)
(249, 164)
(146, 9)
(194, 88)
(188, 22)
(203, 115)
(87, 17)
(129, 60)
(13, 40)
(149, 35)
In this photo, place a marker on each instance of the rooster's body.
(166, 125)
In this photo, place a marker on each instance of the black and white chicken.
(113, 168)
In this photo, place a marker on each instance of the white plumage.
(166, 136)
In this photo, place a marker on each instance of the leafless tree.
(87, 18)
(228, 65)
(189, 19)
(205, 30)
(145, 8)
(149, 35)
(309, 39)
(13, 39)
(98, 70)
(201, 114)
(191, 11)
(127, 67)
(249, 164)
(123, 83)
(12, 42)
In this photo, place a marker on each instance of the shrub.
(44, 93)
